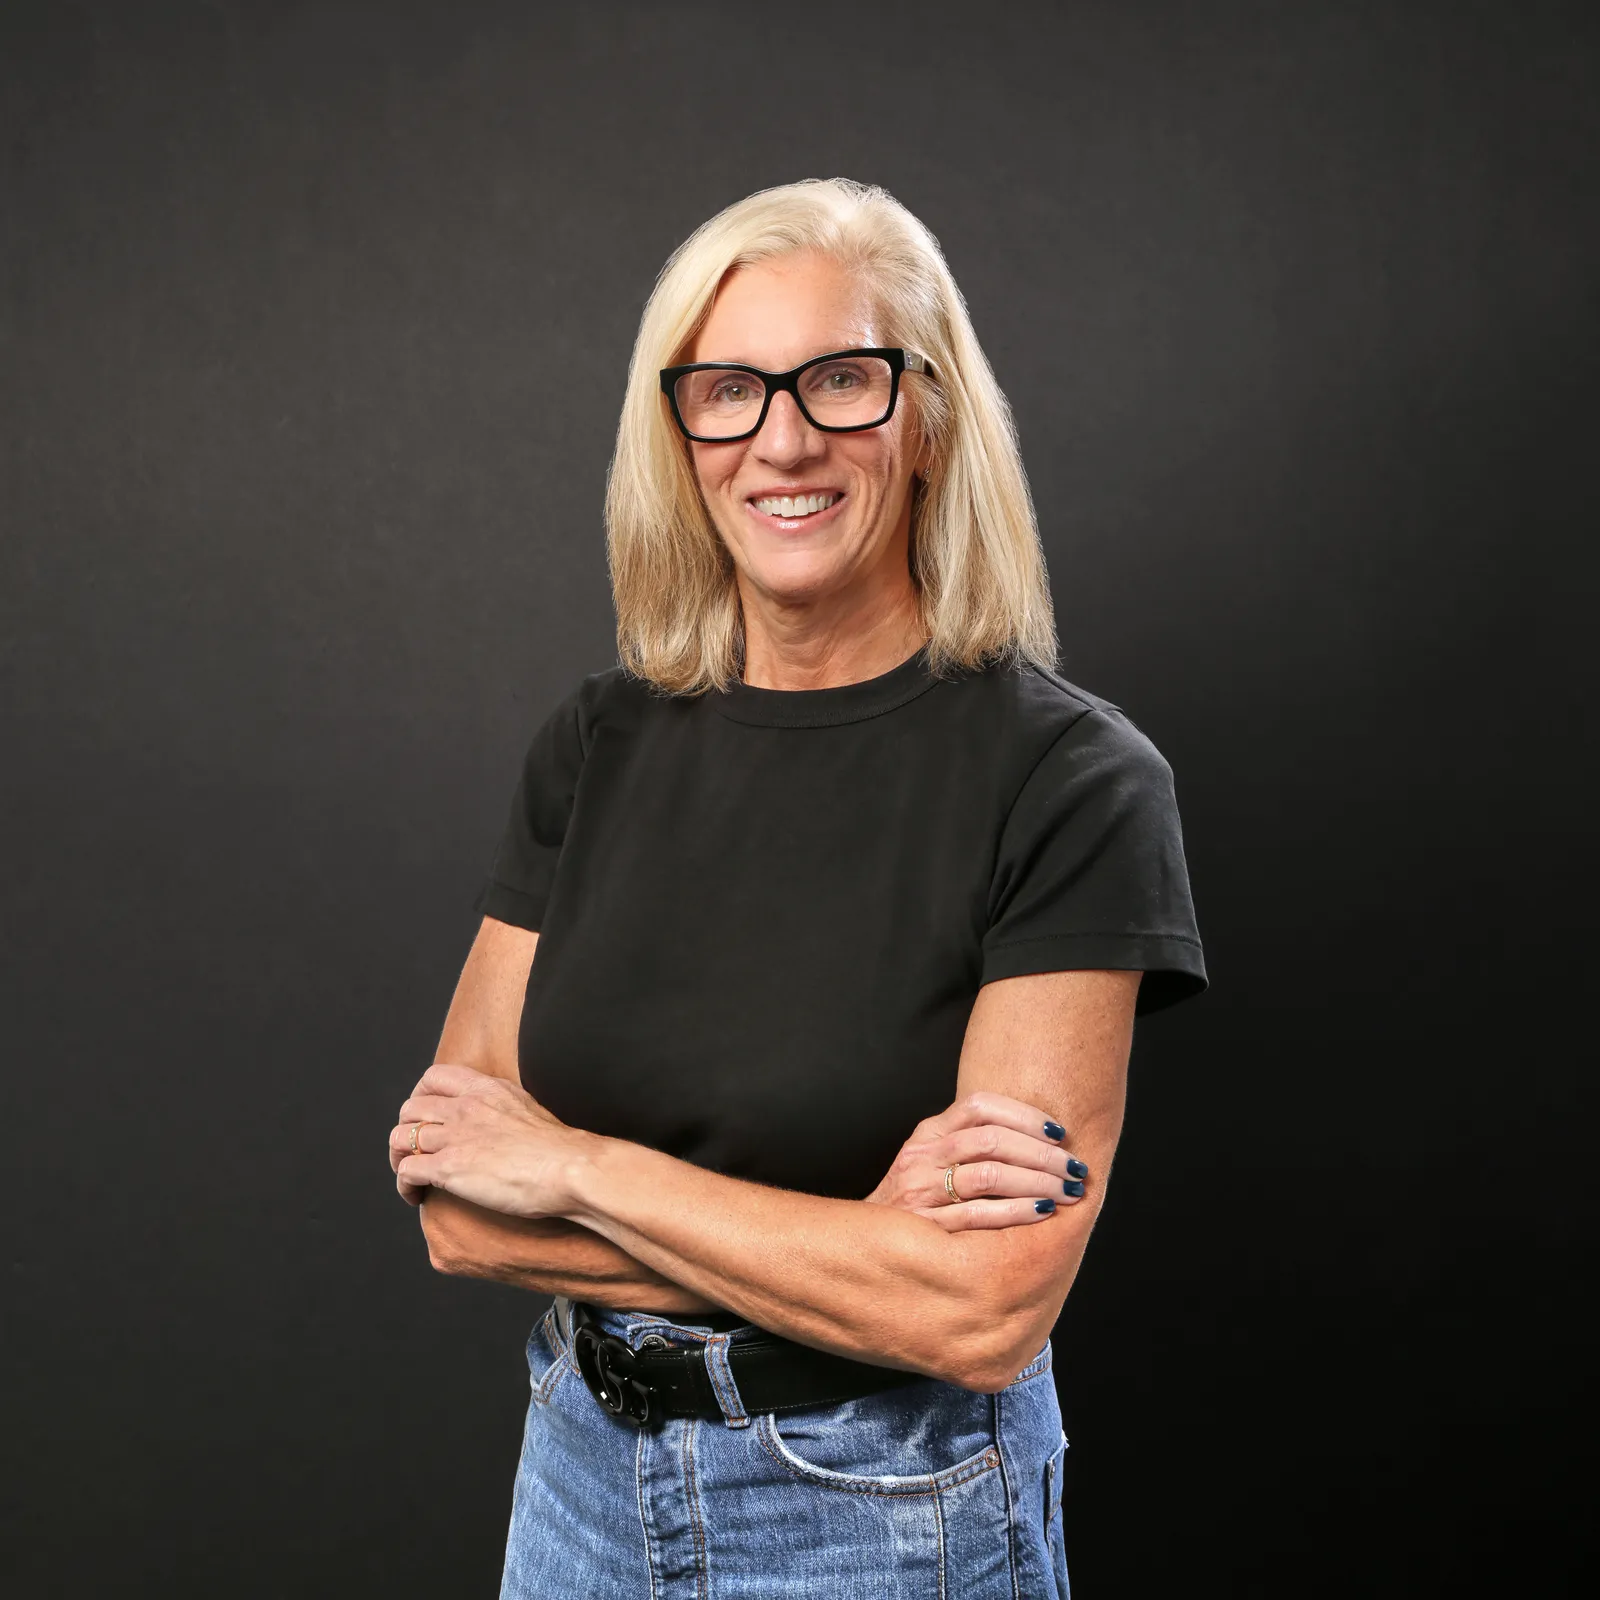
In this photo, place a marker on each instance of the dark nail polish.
(1072, 1186)
(1044, 1207)
(1054, 1130)
(1076, 1169)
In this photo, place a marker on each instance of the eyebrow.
(744, 361)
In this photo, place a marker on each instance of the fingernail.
(1072, 1186)
(1044, 1207)
(1054, 1130)
(1076, 1169)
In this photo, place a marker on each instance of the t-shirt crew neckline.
(827, 708)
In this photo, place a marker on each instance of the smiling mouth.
(795, 508)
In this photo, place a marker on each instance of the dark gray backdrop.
(1296, 306)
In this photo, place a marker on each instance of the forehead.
(776, 314)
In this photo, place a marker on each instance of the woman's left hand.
(487, 1140)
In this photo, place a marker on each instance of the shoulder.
(1040, 718)
(611, 699)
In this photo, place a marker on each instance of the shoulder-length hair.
(975, 557)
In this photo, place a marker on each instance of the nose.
(786, 437)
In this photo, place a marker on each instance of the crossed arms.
(863, 1279)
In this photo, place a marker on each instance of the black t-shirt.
(764, 914)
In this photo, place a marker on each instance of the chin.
(797, 577)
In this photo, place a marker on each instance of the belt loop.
(564, 1319)
(722, 1384)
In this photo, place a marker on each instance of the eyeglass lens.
(721, 403)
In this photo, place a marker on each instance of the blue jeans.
(923, 1492)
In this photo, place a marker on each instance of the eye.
(735, 391)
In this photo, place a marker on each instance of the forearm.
(867, 1281)
(547, 1255)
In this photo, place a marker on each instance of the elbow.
(992, 1350)
(444, 1250)
(441, 1261)
(987, 1367)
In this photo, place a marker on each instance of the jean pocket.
(916, 1439)
(549, 1357)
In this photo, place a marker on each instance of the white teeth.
(804, 505)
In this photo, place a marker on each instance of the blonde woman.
(790, 1055)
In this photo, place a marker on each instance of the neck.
(804, 648)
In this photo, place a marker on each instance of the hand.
(412, 1193)
(1007, 1156)
(485, 1139)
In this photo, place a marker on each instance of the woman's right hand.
(1011, 1165)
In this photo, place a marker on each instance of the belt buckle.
(611, 1372)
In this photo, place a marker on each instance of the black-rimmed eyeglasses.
(843, 392)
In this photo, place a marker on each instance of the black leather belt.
(658, 1381)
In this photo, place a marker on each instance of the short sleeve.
(1090, 870)
(524, 865)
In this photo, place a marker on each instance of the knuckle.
(972, 1102)
(987, 1175)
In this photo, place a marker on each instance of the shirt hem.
(1172, 963)
(515, 906)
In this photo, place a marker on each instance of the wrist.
(584, 1178)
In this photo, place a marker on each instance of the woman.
(844, 904)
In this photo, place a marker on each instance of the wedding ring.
(950, 1181)
(416, 1128)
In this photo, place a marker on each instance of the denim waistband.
(716, 1321)
(687, 1327)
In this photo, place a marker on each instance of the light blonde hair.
(975, 556)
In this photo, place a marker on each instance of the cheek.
(714, 470)
(877, 473)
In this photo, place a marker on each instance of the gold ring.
(416, 1128)
(950, 1181)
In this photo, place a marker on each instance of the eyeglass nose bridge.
(775, 383)
(788, 383)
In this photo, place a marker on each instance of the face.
(775, 315)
